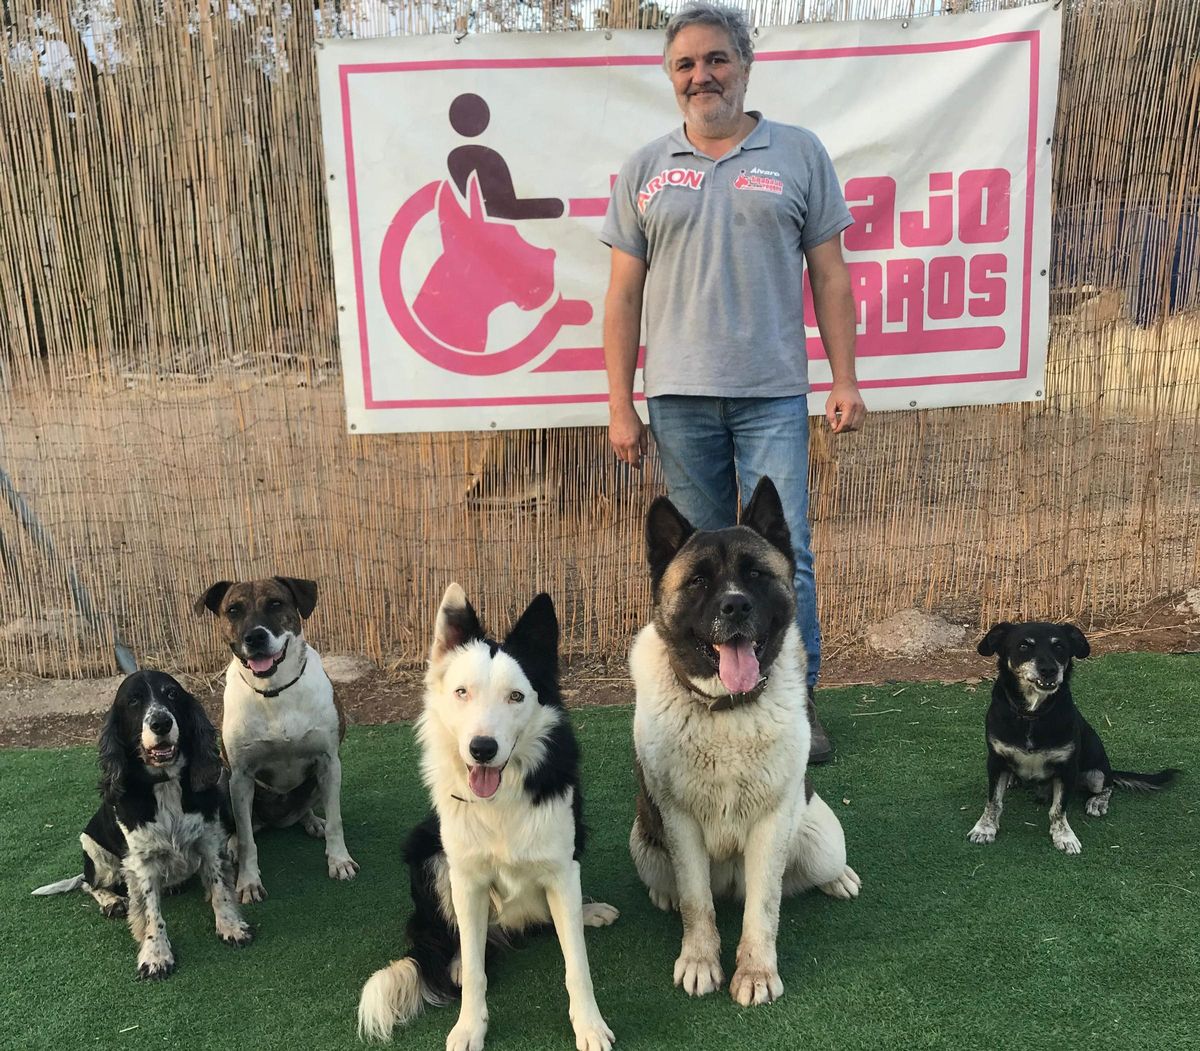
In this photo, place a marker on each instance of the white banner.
(461, 315)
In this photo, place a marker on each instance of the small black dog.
(160, 820)
(1035, 732)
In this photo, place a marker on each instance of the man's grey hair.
(705, 13)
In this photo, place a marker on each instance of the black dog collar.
(276, 693)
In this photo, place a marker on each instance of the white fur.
(285, 735)
(730, 787)
(509, 863)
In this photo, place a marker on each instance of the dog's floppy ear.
(666, 532)
(304, 592)
(456, 625)
(764, 514)
(211, 599)
(1080, 647)
(198, 737)
(533, 641)
(990, 644)
(114, 755)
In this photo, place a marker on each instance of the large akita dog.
(722, 739)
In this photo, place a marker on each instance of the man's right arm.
(622, 332)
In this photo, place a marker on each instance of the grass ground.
(951, 945)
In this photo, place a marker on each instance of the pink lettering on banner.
(917, 304)
(684, 178)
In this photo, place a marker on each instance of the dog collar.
(277, 692)
(725, 702)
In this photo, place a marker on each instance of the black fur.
(1047, 652)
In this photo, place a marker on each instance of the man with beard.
(710, 228)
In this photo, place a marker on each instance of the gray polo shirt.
(723, 242)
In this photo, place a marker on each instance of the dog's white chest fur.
(170, 843)
(282, 734)
(1032, 765)
(725, 768)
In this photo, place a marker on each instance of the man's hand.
(844, 409)
(627, 435)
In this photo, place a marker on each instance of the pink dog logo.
(491, 260)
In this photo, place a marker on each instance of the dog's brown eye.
(516, 696)
(235, 611)
(698, 582)
(274, 604)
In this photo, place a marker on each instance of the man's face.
(709, 79)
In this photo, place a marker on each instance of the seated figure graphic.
(469, 116)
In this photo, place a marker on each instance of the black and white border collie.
(160, 818)
(1035, 733)
(500, 852)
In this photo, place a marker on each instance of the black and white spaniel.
(160, 818)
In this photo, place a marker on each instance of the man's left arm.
(834, 305)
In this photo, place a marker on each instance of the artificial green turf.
(951, 945)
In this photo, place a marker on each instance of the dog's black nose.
(256, 637)
(483, 749)
(160, 723)
(735, 604)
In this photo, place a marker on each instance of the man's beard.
(707, 115)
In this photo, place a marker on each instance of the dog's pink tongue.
(258, 665)
(484, 780)
(739, 666)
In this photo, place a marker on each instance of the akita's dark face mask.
(723, 599)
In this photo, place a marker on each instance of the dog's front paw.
(467, 1035)
(983, 832)
(845, 886)
(598, 914)
(1096, 806)
(235, 932)
(155, 959)
(342, 866)
(250, 890)
(752, 984)
(592, 1033)
(1067, 841)
(697, 974)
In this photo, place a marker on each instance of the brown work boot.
(821, 750)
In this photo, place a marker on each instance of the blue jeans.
(706, 445)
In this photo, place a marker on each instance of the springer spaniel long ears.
(198, 737)
(114, 756)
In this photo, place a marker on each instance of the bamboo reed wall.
(170, 397)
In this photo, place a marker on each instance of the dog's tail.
(395, 995)
(62, 886)
(1144, 782)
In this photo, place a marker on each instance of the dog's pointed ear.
(456, 625)
(764, 514)
(1080, 647)
(211, 599)
(666, 532)
(304, 592)
(533, 641)
(990, 644)
(113, 753)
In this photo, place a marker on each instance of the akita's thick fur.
(500, 853)
(722, 737)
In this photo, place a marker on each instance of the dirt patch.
(40, 713)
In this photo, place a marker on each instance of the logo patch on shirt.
(759, 179)
(683, 178)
